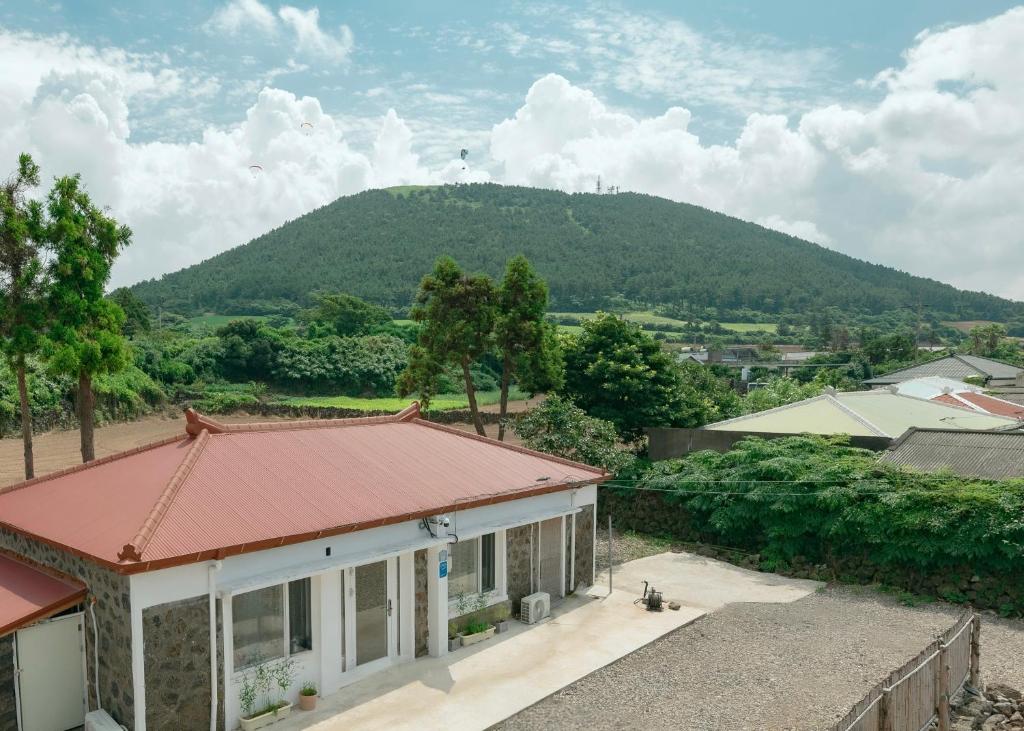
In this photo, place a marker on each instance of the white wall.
(278, 565)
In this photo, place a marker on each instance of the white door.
(51, 674)
(551, 562)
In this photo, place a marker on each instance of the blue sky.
(888, 131)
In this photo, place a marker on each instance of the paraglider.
(306, 128)
(255, 170)
(463, 154)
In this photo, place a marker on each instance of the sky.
(892, 132)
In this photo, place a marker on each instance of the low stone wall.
(585, 547)
(8, 708)
(517, 564)
(455, 416)
(113, 617)
(176, 640)
(422, 617)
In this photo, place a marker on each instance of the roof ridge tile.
(133, 551)
(196, 422)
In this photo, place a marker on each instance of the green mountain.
(378, 244)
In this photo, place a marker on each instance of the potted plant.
(307, 696)
(259, 706)
(454, 640)
(501, 615)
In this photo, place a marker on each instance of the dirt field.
(59, 449)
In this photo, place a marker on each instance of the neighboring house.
(881, 413)
(984, 454)
(958, 367)
(341, 544)
(872, 419)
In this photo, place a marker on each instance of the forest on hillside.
(591, 249)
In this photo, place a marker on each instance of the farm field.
(212, 322)
(967, 325)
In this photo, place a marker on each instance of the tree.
(345, 314)
(527, 343)
(86, 326)
(616, 372)
(457, 312)
(22, 285)
(138, 319)
(557, 426)
(985, 339)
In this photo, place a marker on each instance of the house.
(344, 545)
(872, 419)
(983, 402)
(970, 453)
(880, 413)
(957, 366)
(929, 387)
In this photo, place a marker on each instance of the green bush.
(818, 503)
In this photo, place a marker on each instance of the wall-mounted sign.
(443, 569)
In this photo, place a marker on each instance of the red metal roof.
(244, 487)
(29, 593)
(983, 402)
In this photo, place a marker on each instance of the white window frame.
(500, 592)
(236, 674)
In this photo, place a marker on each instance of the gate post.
(975, 650)
(942, 687)
(885, 719)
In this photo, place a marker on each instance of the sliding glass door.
(370, 607)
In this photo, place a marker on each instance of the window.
(463, 574)
(472, 569)
(258, 626)
(300, 619)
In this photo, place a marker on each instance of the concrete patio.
(474, 688)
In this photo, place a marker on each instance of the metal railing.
(913, 696)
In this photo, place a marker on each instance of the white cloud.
(926, 179)
(242, 15)
(311, 39)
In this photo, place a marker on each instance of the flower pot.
(265, 719)
(501, 626)
(307, 702)
(472, 639)
(454, 643)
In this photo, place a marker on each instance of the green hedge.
(830, 509)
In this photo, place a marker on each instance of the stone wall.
(421, 622)
(8, 708)
(113, 617)
(585, 546)
(517, 564)
(176, 638)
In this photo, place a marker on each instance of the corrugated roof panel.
(989, 455)
(29, 594)
(238, 487)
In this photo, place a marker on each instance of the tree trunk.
(506, 376)
(85, 416)
(26, 418)
(471, 397)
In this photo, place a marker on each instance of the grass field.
(967, 325)
(672, 326)
(441, 402)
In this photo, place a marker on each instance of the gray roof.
(953, 366)
(986, 454)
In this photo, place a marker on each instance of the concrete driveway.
(477, 687)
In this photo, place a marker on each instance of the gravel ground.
(767, 666)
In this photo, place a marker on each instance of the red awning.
(29, 593)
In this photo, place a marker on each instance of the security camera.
(445, 522)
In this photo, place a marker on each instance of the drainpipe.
(213, 569)
(95, 651)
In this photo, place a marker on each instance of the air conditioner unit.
(535, 607)
(101, 721)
